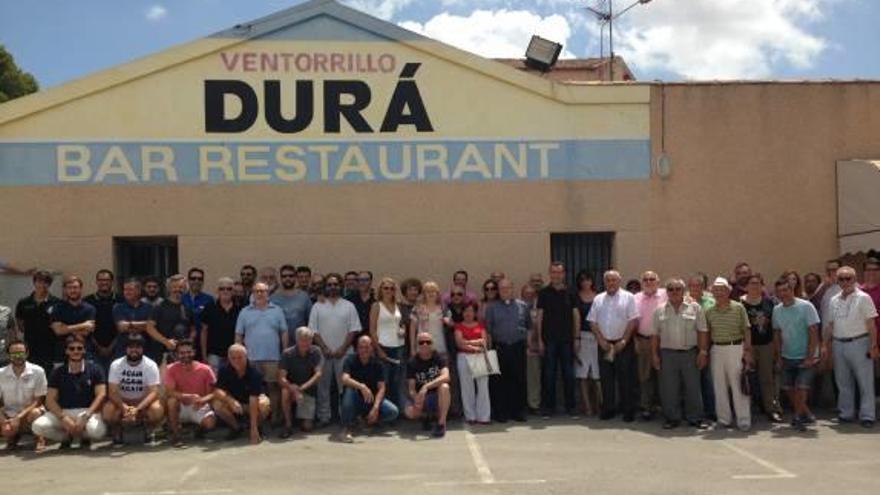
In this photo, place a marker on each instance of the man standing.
(558, 324)
(72, 316)
(647, 300)
(364, 396)
(195, 300)
(169, 322)
(741, 273)
(269, 276)
(731, 336)
(189, 386)
(22, 392)
(460, 280)
(131, 315)
(262, 329)
(248, 275)
(529, 295)
(680, 350)
(796, 324)
(294, 301)
(133, 392)
(74, 398)
(152, 291)
(613, 318)
(34, 322)
(304, 278)
(336, 323)
(852, 337)
(239, 395)
(298, 376)
(104, 299)
(218, 324)
(508, 323)
(363, 300)
(428, 385)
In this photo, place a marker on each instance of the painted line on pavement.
(477, 456)
(780, 473)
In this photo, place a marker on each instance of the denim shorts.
(795, 376)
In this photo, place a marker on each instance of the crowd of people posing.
(293, 349)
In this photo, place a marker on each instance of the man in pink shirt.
(189, 385)
(459, 279)
(648, 300)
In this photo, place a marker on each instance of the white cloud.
(499, 33)
(156, 13)
(383, 9)
(721, 39)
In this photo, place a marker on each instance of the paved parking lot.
(559, 456)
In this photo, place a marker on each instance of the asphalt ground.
(556, 456)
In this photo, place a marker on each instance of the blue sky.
(61, 40)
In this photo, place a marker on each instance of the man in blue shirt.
(294, 301)
(130, 315)
(195, 300)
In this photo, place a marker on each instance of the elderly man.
(796, 324)
(648, 300)
(133, 392)
(218, 324)
(614, 318)
(508, 322)
(269, 276)
(22, 392)
(680, 350)
(74, 398)
(262, 328)
(731, 336)
(335, 322)
(428, 385)
(364, 396)
(189, 386)
(169, 322)
(238, 395)
(558, 321)
(130, 315)
(852, 338)
(298, 376)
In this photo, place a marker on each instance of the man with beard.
(152, 291)
(76, 392)
(32, 315)
(294, 301)
(104, 299)
(189, 386)
(335, 322)
(72, 316)
(247, 277)
(130, 315)
(169, 322)
(22, 391)
(134, 391)
(741, 274)
(303, 278)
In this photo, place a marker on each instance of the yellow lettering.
(72, 162)
(115, 163)
(324, 151)
(543, 149)
(157, 158)
(438, 160)
(247, 163)
(354, 161)
(520, 166)
(405, 163)
(284, 159)
(471, 161)
(221, 161)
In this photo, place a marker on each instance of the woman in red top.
(472, 338)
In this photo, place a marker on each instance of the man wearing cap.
(730, 333)
(133, 396)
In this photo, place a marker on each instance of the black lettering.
(334, 109)
(305, 110)
(407, 97)
(215, 108)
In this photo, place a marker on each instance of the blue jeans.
(393, 373)
(353, 406)
(558, 355)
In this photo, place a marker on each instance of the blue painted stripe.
(24, 164)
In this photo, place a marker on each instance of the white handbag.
(483, 363)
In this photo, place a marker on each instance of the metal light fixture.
(542, 53)
(664, 166)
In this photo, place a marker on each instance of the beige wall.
(753, 179)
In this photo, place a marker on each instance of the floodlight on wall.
(542, 53)
(664, 166)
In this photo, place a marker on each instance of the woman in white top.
(428, 317)
(388, 337)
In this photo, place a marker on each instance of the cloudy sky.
(61, 40)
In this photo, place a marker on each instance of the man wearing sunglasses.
(22, 391)
(294, 301)
(76, 392)
(852, 338)
(428, 384)
(218, 324)
(195, 299)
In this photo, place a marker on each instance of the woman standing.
(759, 307)
(587, 360)
(388, 337)
(428, 317)
(471, 338)
(794, 280)
(490, 295)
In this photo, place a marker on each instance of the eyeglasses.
(76, 348)
(387, 288)
(674, 289)
(197, 279)
(288, 275)
(649, 280)
(846, 279)
(487, 289)
(425, 342)
(260, 291)
(225, 289)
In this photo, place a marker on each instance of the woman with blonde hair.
(388, 335)
(428, 317)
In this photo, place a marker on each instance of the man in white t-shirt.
(134, 391)
(22, 391)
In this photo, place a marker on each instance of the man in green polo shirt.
(730, 333)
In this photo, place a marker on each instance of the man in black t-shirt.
(239, 394)
(558, 323)
(428, 384)
(72, 316)
(364, 394)
(298, 375)
(103, 300)
(32, 315)
(171, 321)
(218, 324)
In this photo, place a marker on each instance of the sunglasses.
(331, 285)
(459, 294)
(104, 279)
(425, 342)
(487, 289)
(225, 289)
(197, 279)
(387, 288)
(17, 354)
(675, 289)
(649, 280)
(364, 280)
(288, 275)
(76, 348)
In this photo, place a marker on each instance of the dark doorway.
(583, 251)
(144, 256)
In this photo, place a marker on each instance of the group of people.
(291, 348)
